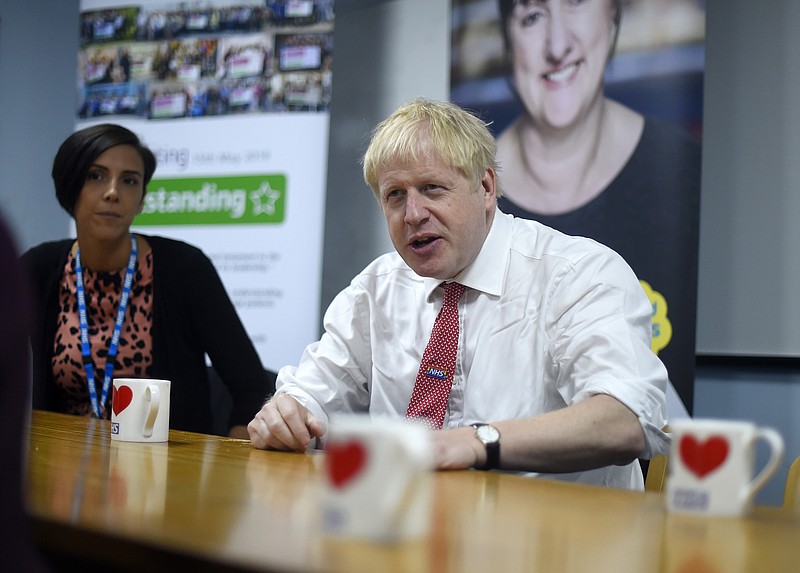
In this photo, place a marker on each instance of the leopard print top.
(135, 350)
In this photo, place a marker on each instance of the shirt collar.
(487, 272)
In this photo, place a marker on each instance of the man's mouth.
(420, 243)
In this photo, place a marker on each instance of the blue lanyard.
(97, 407)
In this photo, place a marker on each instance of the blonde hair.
(453, 135)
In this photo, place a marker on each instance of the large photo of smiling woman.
(597, 106)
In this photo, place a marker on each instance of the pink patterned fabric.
(135, 354)
(428, 402)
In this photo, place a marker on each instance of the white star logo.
(264, 199)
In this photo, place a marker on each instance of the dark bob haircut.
(80, 150)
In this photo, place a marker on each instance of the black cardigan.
(192, 316)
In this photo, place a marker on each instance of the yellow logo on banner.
(662, 327)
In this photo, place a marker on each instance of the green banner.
(236, 200)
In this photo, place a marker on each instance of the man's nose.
(416, 210)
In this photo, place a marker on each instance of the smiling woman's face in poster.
(597, 107)
(557, 67)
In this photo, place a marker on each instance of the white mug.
(140, 410)
(712, 465)
(377, 479)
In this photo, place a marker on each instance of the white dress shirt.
(547, 320)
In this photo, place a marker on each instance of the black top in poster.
(602, 101)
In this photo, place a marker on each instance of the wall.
(388, 51)
(768, 396)
(38, 48)
(750, 239)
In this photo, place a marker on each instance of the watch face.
(487, 433)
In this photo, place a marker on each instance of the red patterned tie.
(435, 378)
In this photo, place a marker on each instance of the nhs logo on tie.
(435, 372)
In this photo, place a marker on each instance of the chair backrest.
(791, 495)
(656, 476)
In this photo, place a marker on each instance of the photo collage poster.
(232, 96)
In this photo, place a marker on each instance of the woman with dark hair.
(117, 304)
(580, 162)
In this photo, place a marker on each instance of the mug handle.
(776, 444)
(153, 396)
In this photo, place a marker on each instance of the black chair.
(222, 403)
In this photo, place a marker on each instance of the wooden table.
(206, 503)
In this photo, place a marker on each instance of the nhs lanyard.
(97, 407)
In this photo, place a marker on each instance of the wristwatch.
(490, 437)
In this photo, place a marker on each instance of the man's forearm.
(598, 432)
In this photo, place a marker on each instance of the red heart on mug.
(702, 458)
(123, 395)
(344, 462)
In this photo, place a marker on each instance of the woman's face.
(112, 195)
(559, 50)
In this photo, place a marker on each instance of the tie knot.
(452, 293)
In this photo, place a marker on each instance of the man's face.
(436, 220)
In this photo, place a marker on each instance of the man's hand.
(457, 449)
(283, 424)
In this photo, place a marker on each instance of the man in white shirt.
(554, 372)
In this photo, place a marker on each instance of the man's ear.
(489, 187)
